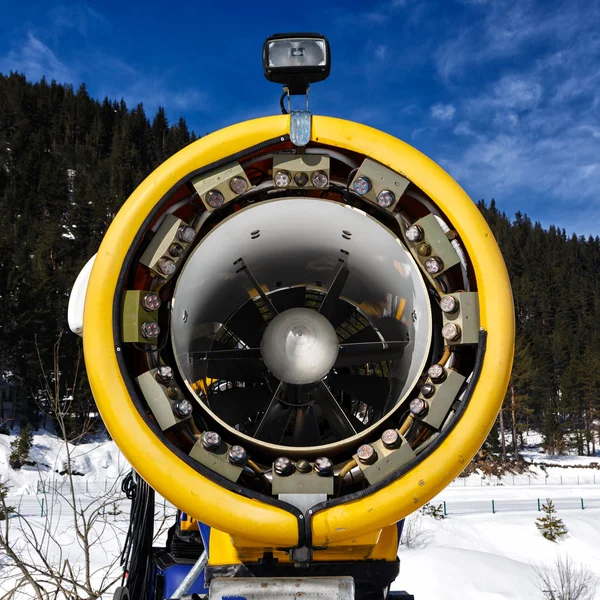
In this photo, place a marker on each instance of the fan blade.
(238, 404)
(368, 334)
(242, 266)
(369, 352)
(371, 390)
(290, 298)
(336, 417)
(274, 422)
(342, 311)
(242, 369)
(330, 302)
(248, 324)
(306, 432)
(224, 353)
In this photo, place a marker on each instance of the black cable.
(135, 558)
(349, 178)
(283, 108)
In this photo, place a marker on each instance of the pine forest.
(68, 162)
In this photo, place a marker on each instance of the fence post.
(561, 480)
(493, 507)
(87, 489)
(582, 506)
(577, 479)
(513, 479)
(445, 511)
(529, 479)
(539, 505)
(464, 481)
(42, 511)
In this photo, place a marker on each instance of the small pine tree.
(432, 510)
(5, 510)
(20, 448)
(551, 527)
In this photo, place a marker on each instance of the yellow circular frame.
(244, 517)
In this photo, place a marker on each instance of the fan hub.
(299, 346)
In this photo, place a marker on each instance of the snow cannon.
(299, 330)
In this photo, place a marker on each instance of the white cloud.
(506, 28)
(380, 52)
(443, 112)
(112, 76)
(531, 136)
(35, 59)
(80, 17)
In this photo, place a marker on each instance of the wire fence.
(470, 507)
(592, 478)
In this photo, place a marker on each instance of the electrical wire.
(260, 474)
(283, 108)
(137, 550)
(343, 472)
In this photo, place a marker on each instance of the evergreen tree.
(20, 449)
(550, 526)
(67, 164)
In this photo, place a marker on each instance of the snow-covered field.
(472, 553)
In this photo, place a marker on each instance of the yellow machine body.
(244, 528)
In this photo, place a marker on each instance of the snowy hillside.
(486, 548)
(93, 462)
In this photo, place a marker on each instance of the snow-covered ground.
(472, 553)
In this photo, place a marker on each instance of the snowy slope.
(96, 461)
(481, 556)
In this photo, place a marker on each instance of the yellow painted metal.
(170, 476)
(375, 545)
(221, 550)
(270, 527)
(435, 472)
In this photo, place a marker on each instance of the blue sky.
(504, 94)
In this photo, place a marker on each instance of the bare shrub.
(414, 533)
(566, 580)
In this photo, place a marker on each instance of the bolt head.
(323, 466)
(211, 440)
(167, 266)
(434, 265)
(427, 390)
(237, 455)
(300, 179)
(303, 466)
(183, 408)
(414, 233)
(173, 392)
(283, 466)
(361, 185)
(424, 249)
(385, 198)
(366, 454)
(391, 439)
(150, 302)
(238, 185)
(215, 199)
(282, 179)
(186, 234)
(436, 373)
(176, 250)
(451, 332)
(319, 179)
(150, 330)
(164, 373)
(418, 406)
(448, 304)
